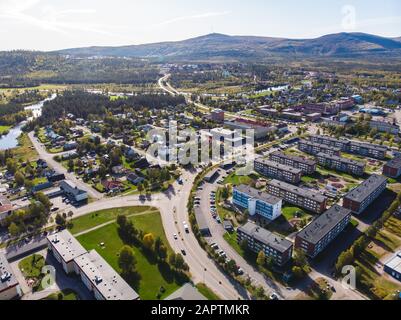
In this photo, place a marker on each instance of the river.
(10, 140)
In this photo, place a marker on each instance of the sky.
(58, 24)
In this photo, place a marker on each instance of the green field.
(31, 268)
(103, 216)
(152, 276)
(238, 180)
(290, 211)
(66, 294)
(4, 129)
(207, 292)
(25, 150)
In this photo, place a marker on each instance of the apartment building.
(316, 148)
(359, 148)
(392, 168)
(330, 141)
(257, 202)
(306, 165)
(316, 236)
(341, 164)
(358, 199)
(97, 275)
(384, 126)
(368, 150)
(65, 249)
(9, 286)
(101, 279)
(306, 199)
(278, 171)
(259, 239)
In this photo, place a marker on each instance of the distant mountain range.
(250, 47)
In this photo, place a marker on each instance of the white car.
(175, 237)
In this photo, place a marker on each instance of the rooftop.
(102, 276)
(70, 187)
(279, 166)
(302, 192)
(66, 245)
(272, 240)
(254, 193)
(394, 163)
(5, 204)
(320, 145)
(7, 279)
(361, 192)
(186, 292)
(395, 262)
(294, 158)
(323, 224)
(369, 146)
(341, 159)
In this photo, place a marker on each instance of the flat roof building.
(306, 199)
(392, 168)
(316, 236)
(101, 279)
(259, 239)
(9, 286)
(330, 141)
(257, 202)
(316, 148)
(358, 199)
(186, 293)
(341, 164)
(306, 165)
(277, 171)
(393, 266)
(65, 249)
(368, 150)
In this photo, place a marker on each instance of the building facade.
(306, 165)
(341, 164)
(358, 199)
(259, 239)
(316, 148)
(392, 168)
(277, 171)
(316, 236)
(306, 199)
(257, 202)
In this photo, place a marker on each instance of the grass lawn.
(238, 180)
(152, 276)
(99, 217)
(231, 238)
(66, 294)
(207, 292)
(25, 150)
(290, 211)
(4, 129)
(31, 268)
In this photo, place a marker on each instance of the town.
(193, 172)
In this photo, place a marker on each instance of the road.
(217, 231)
(173, 209)
(48, 157)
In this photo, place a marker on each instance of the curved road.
(173, 209)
